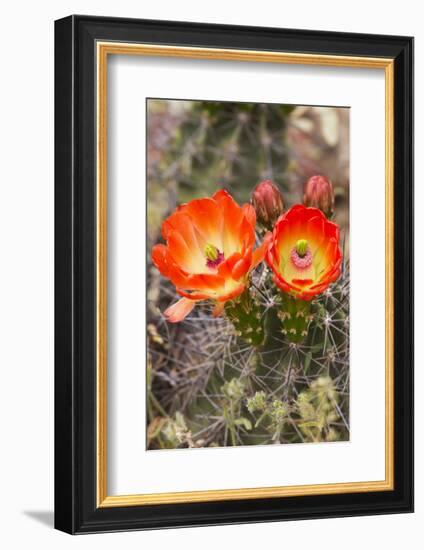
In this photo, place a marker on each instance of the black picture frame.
(76, 510)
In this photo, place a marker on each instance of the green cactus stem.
(247, 317)
(214, 144)
(295, 316)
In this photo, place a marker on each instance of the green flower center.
(301, 247)
(213, 256)
(211, 252)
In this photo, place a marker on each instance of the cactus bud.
(320, 194)
(268, 203)
(257, 402)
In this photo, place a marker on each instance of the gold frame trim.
(119, 48)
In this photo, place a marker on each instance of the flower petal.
(302, 282)
(205, 281)
(233, 216)
(259, 253)
(281, 283)
(160, 258)
(178, 311)
(218, 309)
(232, 293)
(240, 268)
(250, 214)
(196, 296)
(246, 234)
(179, 250)
(181, 222)
(207, 216)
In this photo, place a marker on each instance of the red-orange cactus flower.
(304, 252)
(208, 253)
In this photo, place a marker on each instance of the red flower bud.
(268, 203)
(319, 194)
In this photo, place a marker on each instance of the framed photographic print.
(234, 274)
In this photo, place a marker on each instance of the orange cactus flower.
(208, 253)
(304, 252)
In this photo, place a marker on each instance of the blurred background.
(194, 147)
(197, 368)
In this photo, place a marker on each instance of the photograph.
(247, 274)
(211, 304)
(233, 274)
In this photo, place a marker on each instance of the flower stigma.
(301, 247)
(213, 256)
(301, 254)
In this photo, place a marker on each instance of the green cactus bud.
(257, 402)
(278, 411)
(234, 389)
